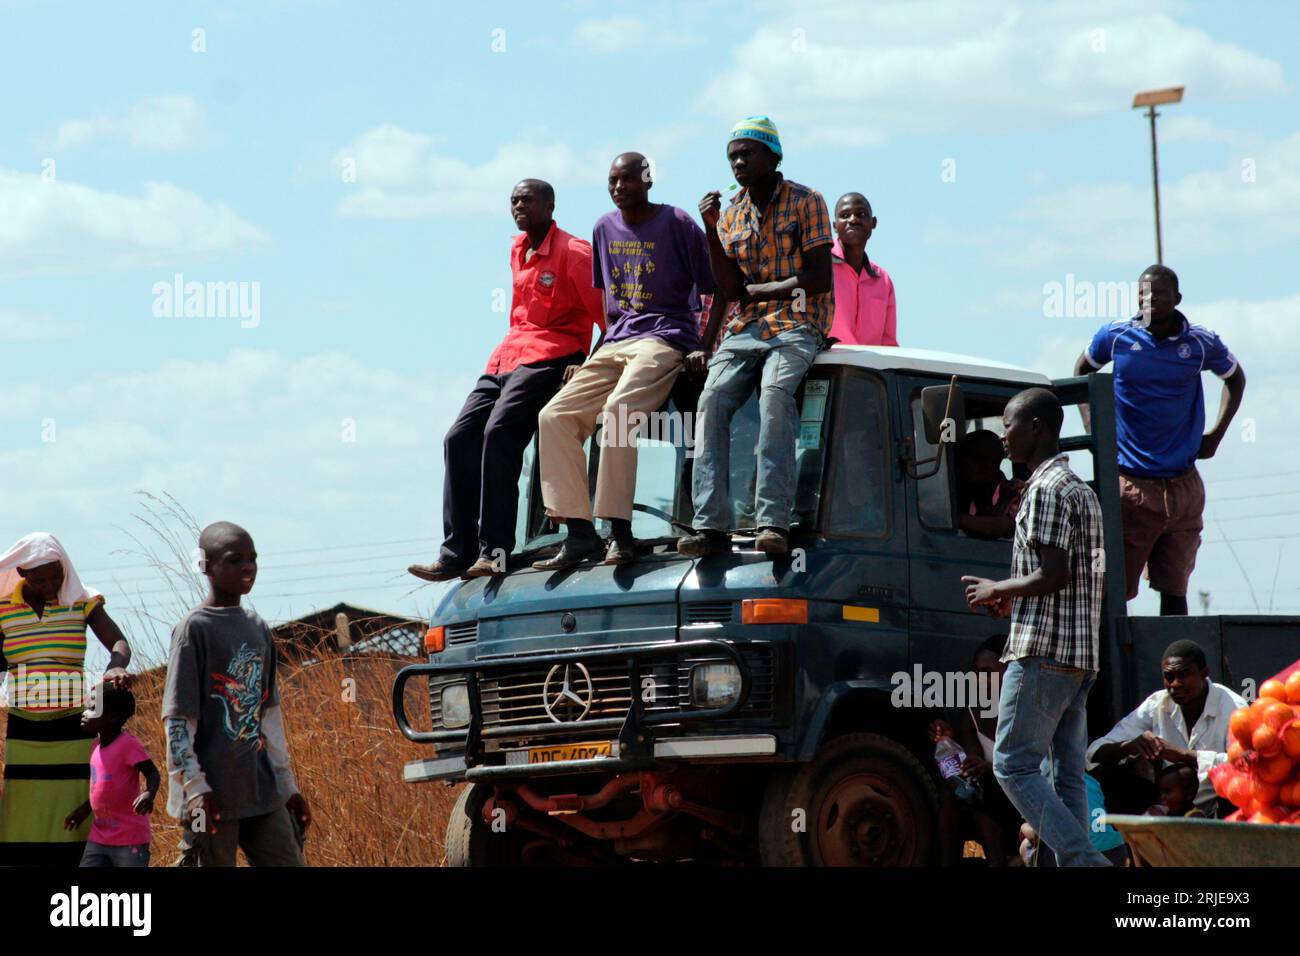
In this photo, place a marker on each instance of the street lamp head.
(1170, 94)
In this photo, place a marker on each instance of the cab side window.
(933, 494)
(937, 496)
(859, 502)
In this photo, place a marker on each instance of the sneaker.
(438, 571)
(573, 552)
(704, 543)
(772, 541)
(620, 552)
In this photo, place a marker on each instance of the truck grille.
(515, 698)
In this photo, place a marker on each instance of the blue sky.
(130, 157)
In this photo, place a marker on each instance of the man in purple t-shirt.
(652, 260)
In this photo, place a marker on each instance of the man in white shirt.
(1158, 729)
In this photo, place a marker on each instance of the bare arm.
(114, 641)
(727, 274)
(814, 278)
(1083, 367)
(1234, 389)
(1051, 575)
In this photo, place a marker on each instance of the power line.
(1262, 514)
(266, 554)
(1267, 537)
(279, 581)
(386, 556)
(1273, 474)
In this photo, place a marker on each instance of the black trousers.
(483, 455)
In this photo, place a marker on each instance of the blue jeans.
(1042, 708)
(101, 854)
(742, 361)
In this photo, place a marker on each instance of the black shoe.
(704, 543)
(438, 571)
(772, 541)
(573, 552)
(620, 552)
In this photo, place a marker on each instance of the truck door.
(944, 632)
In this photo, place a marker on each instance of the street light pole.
(1155, 184)
(1150, 99)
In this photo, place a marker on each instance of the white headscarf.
(33, 550)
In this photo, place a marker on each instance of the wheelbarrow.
(1179, 841)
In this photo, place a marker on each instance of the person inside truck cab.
(987, 500)
(552, 311)
(1159, 418)
(652, 261)
(771, 253)
(1184, 723)
(865, 312)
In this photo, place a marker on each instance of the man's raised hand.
(711, 208)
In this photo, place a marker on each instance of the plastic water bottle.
(949, 756)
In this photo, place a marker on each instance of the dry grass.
(347, 755)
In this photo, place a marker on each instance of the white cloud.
(256, 437)
(1250, 202)
(57, 226)
(16, 326)
(162, 123)
(1178, 127)
(612, 35)
(403, 174)
(834, 74)
(620, 34)
(408, 175)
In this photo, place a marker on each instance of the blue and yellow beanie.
(760, 128)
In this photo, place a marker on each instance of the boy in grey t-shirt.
(228, 770)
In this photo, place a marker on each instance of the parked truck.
(741, 708)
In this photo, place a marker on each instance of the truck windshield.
(665, 460)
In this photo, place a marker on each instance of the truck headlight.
(715, 685)
(455, 705)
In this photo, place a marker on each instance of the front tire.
(470, 841)
(863, 801)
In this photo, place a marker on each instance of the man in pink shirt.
(864, 293)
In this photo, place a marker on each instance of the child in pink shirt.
(120, 832)
(864, 293)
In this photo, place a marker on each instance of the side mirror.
(943, 408)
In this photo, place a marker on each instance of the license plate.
(559, 753)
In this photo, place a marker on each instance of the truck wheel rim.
(863, 821)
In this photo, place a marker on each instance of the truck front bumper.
(668, 749)
(636, 746)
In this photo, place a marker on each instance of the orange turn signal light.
(774, 611)
(435, 639)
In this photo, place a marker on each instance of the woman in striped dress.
(44, 612)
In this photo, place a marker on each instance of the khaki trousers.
(620, 379)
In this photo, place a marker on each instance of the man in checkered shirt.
(771, 255)
(1054, 599)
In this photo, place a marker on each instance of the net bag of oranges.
(1262, 775)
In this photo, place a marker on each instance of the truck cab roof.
(894, 358)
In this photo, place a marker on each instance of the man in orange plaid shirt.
(771, 255)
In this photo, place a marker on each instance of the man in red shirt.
(552, 311)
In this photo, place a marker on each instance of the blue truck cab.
(745, 709)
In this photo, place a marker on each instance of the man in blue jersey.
(1159, 420)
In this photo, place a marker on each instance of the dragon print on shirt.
(240, 691)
